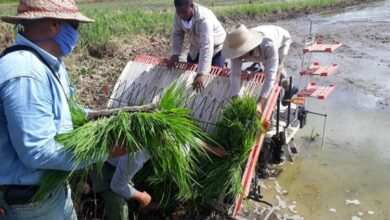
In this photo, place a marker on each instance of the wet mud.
(348, 178)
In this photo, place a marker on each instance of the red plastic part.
(318, 46)
(214, 71)
(316, 69)
(315, 91)
(254, 77)
(163, 62)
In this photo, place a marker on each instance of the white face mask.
(187, 24)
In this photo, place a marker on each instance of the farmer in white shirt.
(113, 183)
(266, 44)
(126, 167)
(206, 36)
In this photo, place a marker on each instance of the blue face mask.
(67, 38)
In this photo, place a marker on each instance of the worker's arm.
(206, 46)
(126, 167)
(235, 77)
(270, 69)
(28, 108)
(177, 37)
(283, 50)
(205, 54)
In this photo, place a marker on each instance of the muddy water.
(355, 161)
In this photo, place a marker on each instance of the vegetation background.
(123, 29)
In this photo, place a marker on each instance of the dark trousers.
(116, 206)
(218, 60)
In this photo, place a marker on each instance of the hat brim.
(230, 53)
(38, 16)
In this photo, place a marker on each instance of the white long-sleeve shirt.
(126, 167)
(271, 52)
(206, 37)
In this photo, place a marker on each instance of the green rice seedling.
(164, 190)
(236, 131)
(170, 136)
(174, 97)
(216, 176)
(77, 112)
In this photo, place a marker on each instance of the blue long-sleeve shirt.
(33, 109)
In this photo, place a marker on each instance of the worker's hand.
(259, 109)
(266, 124)
(143, 198)
(117, 152)
(260, 105)
(172, 61)
(118, 149)
(198, 84)
(218, 151)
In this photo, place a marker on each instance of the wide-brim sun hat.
(239, 41)
(29, 10)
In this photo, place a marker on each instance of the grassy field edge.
(120, 33)
(122, 24)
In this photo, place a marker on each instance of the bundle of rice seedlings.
(236, 131)
(170, 136)
(77, 112)
(165, 190)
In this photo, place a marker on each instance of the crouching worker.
(34, 88)
(126, 167)
(112, 183)
(206, 36)
(266, 44)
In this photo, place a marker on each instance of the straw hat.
(43, 9)
(240, 41)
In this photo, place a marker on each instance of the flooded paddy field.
(349, 177)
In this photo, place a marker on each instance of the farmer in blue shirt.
(34, 88)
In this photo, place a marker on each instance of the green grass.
(122, 21)
(7, 9)
(8, 1)
(116, 24)
(271, 8)
(166, 4)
